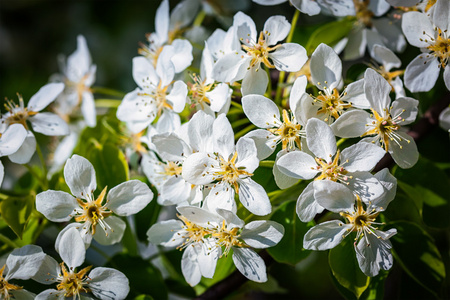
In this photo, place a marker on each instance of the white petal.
(265, 142)
(297, 91)
(200, 132)
(447, 77)
(390, 33)
(164, 67)
(307, 207)
(113, 234)
(137, 111)
(361, 157)
(143, 72)
(283, 181)
(22, 295)
(190, 267)
(162, 20)
(178, 95)
(49, 124)
(406, 108)
(45, 96)
(246, 28)
(417, 26)
(129, 197)
(23, 263)
(220, 97)
(26, 150)
(107, 283)
(325, 236)
(12, 139)
(57, 206)
(365, 185)
(254, 82)
(80, 176)
(200, 216)
(351, 124)
(276, 29)
(166, 233)
(389, 183)
(325, 146)
(354, 93)
(261, 111)
(51, 294)
(386, 57)
(194, 168)
(289, 57)
(223, 136)
(231, 67)
(207, 259)
(326, 67)
(250, 264)
(333, 196)
(79, 62)
(83, 229)
(377, 90)
(309, 7)
(298, 165)
(71, 248)
(421, 73)
(262, 234)
(231, 218)
(182, 54)
(246, 151)
(175, 191)
(220, 196)
(406, 154)
(254, 198)
(374, 255)
(48, 271)
(170, 147)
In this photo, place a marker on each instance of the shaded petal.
(114, 232)
(377, 90)
(246, 151)
(49, 124)
(57, 206)
(325, 236)
(45, 96)
(254, 82)
(254, 198)
(190, 266)
(261, 111)
(26, 150)
(321, 139)
(223, 136)
(326, 67)
(406, 109)
(107, 283)
(194, 170)
(307, 207)
(351, 124)
(250, 264)
(178, 96)
(361, 157)
(421, 73)
(12, 139)
(23, 263)
(71, 248)
(166, 233)
(333, 196)
(406, 154)
(417, 28)
(298, 165)
(80, 176)
(129, 198)
(262, 234)
(289, 57)
(276, 29)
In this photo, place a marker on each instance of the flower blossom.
(207, 236)
(126, 199)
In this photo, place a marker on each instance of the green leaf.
(143, 276)
(345, 267)
(375, 290)
(143, 297)
(330, 34)
(415, 250)
(180, 287)
(427, 185)
(290, 248)
(16, 212)
(110, 164)
(129, 240)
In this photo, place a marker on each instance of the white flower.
(264, 113)
(204, 93)
(444, 119)
(156, 93)
(313, 7)
(245, 63)
(384, 126)
(207, 236)
(45, 123)
(103, 283)
(433, 39)
(389, 60)
(370, 29)
(23, 263)
(326, 75)
(126, 199)
(228, 168)
(168, 28)
(78, 75)
(372, 246)
(351, 167)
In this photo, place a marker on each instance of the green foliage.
(345, 268)
(16, 212)
(330, 33)
(418, 255)
(290, 248)
(143, 276)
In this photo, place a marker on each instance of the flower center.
(389, 76)
(229, 172)
(73, 283)
(5, 287)
(332, 170)
(158, 95)
(227, 238)
(19, 114)
(259, 52)
(198, 90)
(439, 47)
(93, 213)
(361, 220)
(385, 127)
(331, 104)
(172, 169)
(194, 232)
(363, 13)
(289, 132)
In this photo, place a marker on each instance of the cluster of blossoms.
(202, 166)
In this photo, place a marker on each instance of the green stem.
(244, 131)
(108, 103)
(107, 91)
(340, 142)
(293, 25)
(269, 85)
(237, 105)
(36, 175)
(267, 163)
(240, 122)
(44, 165)
(200, 17)
(280, 86)
(8, 242)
